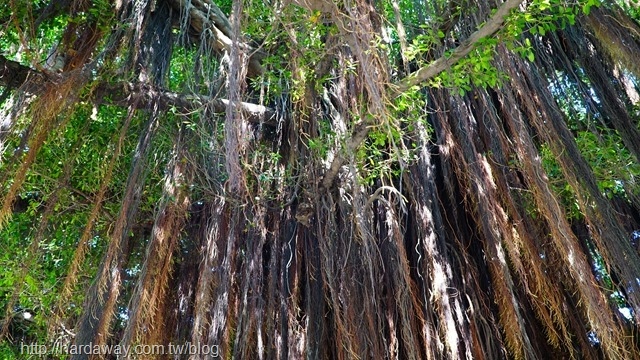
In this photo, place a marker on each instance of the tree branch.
(492, 26)
(122, 95)
(361, 131)
(206, 17)
(14, 75)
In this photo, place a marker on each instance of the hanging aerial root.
(33, 253)
(215, 229)
(563, 239)
(81, 249)
(605, 228)
(524, 252)
(101, 299)
(618, 36)
(44, 113)
(147, 312)
(235, 130)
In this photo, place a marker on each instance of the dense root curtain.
(341, 209)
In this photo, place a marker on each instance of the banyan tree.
(315, 179)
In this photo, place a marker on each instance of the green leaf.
(531, 56)
(541, 30)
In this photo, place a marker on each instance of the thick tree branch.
(359, 134)
(492, 26)
(122, 94)
(361, 131)
(205, 17)
(14, 75)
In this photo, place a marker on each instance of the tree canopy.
(351, 179)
